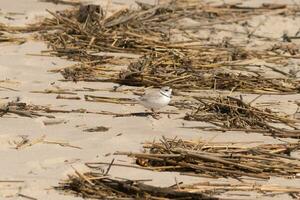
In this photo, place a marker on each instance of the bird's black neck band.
(164, 94)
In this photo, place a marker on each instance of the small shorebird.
(156, 100)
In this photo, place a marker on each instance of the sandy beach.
(34, 170)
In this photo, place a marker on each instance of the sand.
(42, 166)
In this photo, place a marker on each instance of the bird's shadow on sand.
(137, 114)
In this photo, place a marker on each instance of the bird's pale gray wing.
(150, 97)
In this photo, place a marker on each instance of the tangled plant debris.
(218, 160)
(84, 33)
(101, 186)
(231, 113)
(98, 184)
(198, 72)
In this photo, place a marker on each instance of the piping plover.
(156, 99)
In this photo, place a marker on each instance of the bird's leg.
(154, 114)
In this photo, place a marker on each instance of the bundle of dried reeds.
(231, 113)
(101, 186)
(9, 38)
(22, 109)
(187, 70)
(82, 34)
(262, 189)
(203, 158)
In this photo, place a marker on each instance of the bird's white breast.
(155, 101)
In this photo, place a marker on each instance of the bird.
(156, 100)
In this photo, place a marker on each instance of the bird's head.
(166, 91)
